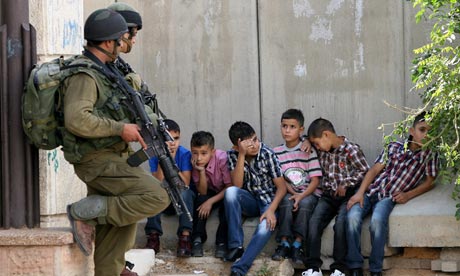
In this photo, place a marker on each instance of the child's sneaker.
(221, 248)
(197, 249)
(337, 273)
(297, 255)
(312, 272)
(281, 252)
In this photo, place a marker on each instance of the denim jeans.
(293, 224)
(378, 228)
(154, 223)
(199, 225)
(327, 208)
(240, 202)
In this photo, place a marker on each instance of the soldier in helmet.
(134, 21)
(98, 128)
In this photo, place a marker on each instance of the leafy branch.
(436, 76)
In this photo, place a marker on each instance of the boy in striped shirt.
(302, 171)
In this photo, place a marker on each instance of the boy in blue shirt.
(258, 189)
(182, 157)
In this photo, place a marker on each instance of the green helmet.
(104, 24)
(132, 17)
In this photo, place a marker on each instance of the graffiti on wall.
(53, 160)
(321, 30)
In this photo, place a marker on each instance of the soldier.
(98, 128)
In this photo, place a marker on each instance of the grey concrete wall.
(214, 62)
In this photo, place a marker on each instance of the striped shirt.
(403, 171)
(345, 165)
(259, 173)
(296, 158)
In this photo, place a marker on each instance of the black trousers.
(199, 225)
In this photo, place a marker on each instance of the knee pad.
(91, 207)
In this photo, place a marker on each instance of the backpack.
(42, 114)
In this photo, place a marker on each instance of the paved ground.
(168, 264)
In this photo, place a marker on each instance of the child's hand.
(296, 198)
(341, 190)
(244, 145)
(400, 197)
(306, 146)
(195, 166)
(204, 209)
(270, 218)
(356, 198)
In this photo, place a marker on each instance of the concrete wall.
(59, 25)
(214, 62)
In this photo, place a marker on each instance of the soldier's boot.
(83, 216)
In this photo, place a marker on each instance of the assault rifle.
(155, 138)
(149, 98)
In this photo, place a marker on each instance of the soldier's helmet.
(131, 16)
(104, 24)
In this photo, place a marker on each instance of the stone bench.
(426, 221)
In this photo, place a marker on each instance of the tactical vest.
(109, 105)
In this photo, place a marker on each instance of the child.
(182, 157)
(257, 191)
(302, 171)
(400, 173)
(211, 177)
(344, 167)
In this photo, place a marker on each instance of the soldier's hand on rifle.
(131, 133)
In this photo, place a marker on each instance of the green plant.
(264, 270)
(436, 75)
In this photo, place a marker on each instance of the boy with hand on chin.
(257, 191)
(211, 177)
(400, 173)
(344, 166)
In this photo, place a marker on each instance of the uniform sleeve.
(79, 100)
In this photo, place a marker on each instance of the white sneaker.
(310, 272)
(338, 273)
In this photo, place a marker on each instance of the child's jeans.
(326, 209)
(378, 227)
(292, 224)
(154, 223)
(240, 202)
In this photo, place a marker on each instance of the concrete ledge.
(37, 236)
(168, 241)
(41, 252)
(426, 221)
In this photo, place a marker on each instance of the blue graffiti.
(70, 33)
(52, 157)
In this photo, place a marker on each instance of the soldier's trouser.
(132, 194)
